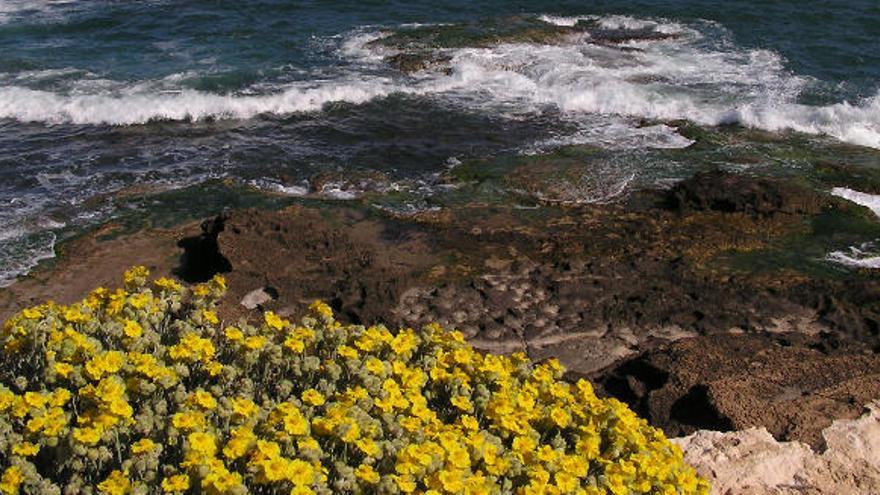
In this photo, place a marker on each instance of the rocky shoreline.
(643, 296)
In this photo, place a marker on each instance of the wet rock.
(411, 63)
(792, 384)
(600, 35)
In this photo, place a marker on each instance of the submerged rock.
(426, 47)
(717, 190)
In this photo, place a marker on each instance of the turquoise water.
(100, 96)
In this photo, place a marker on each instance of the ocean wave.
(28, 105)
(706, 83)
(21, 251)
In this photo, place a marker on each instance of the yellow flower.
(294, 344)
(115, 484)
(233, 334)
(313, 397)
(11, 480)
(463, 403)
(368, 446)
(140, 300)
(560, 417)
(375, 366)
(275, 322)
(167, 284)
(26, 449)
(202, 443)
(321, 309)
(132, 329)
(143, 446)
(135, 276)
(451, 480)
(244, 407)
(405, 483)
(34, 399)
(203, 399)
(63, 369)
(347, 352)
(210, 317)
(87, 436)
(189, 421)
(59, 397)
(34, 313)
(366, 473)
(240, 442)
(176, 483)
(213, 368)
(300, 473)
(219, 281)
(254, 342)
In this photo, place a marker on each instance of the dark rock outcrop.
(792, 384)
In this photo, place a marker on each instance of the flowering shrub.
(143, 390)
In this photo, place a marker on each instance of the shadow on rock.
(201, 258)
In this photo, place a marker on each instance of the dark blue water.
(100, 96)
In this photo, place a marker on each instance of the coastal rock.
(358, 265)
(752, 462)
(792, 384)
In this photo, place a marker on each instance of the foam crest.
(663, 81)
(28, 105)
(617, 22)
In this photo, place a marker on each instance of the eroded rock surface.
(792, 384)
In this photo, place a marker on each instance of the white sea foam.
(870, 201)
(616, 134)
(867, 254)
(864, 256)
(30, 105)
(618, 22)
(357, 46)
(564, 21)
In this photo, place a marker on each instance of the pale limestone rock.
(752, 462)
(255, 298)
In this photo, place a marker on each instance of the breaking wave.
(683, 77)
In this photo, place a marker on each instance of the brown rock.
(793, 384)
